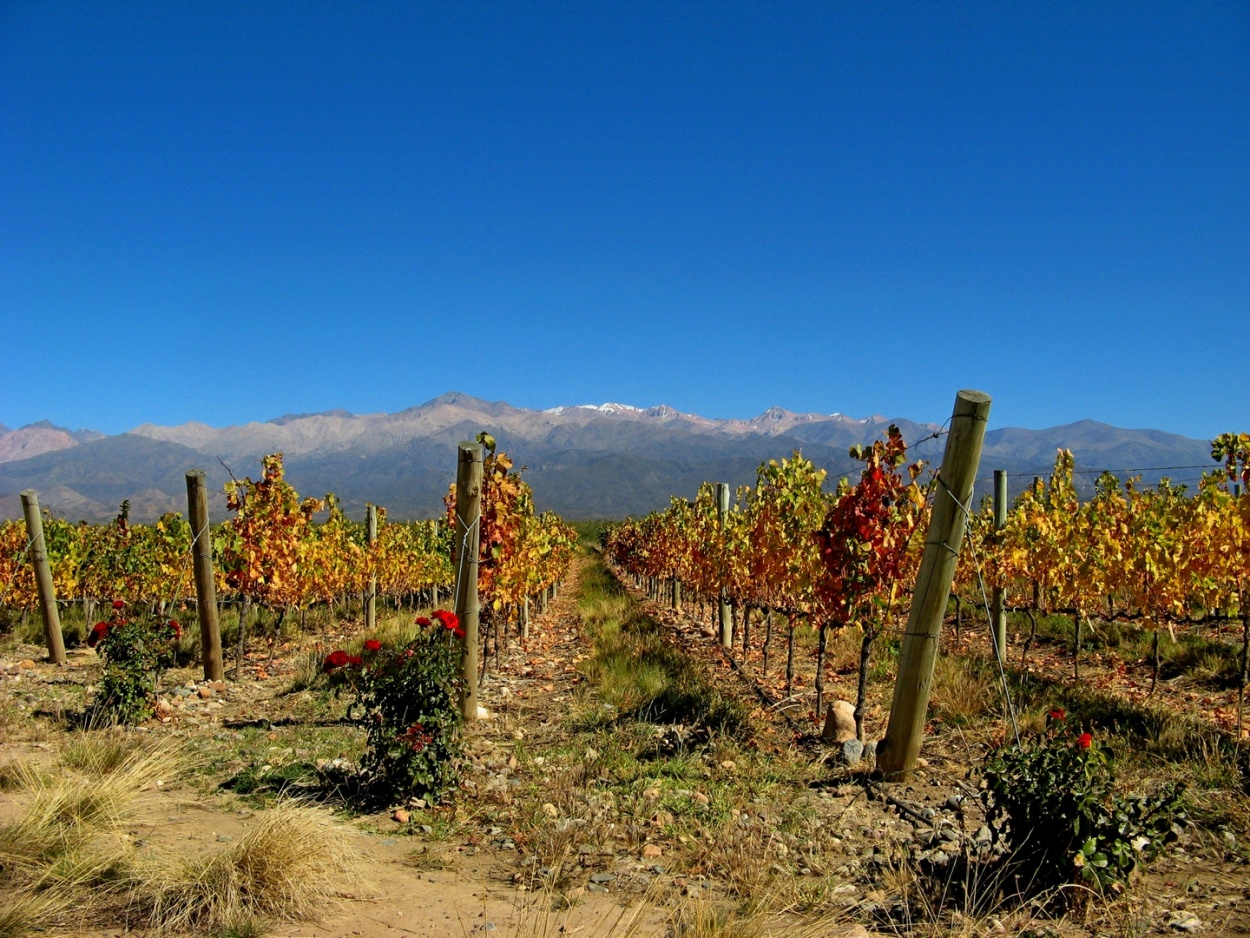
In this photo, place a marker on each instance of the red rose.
(354, 659)
(118, 604)
(1084, 740)
(98, 632)
(458, 632)
(176, 628)
(423, 620)
(415, 737)
(448, 619)
(372, 644)
(1056, 714)
(335, 659)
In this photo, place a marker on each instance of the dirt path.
(466, 885)
(474, 867)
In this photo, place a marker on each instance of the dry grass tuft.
(843, 651)
(18, 776)
(703, 918)
(69, 828)
(307, 672)
(547, 914)
(102, 753)
(743, 858)
(288, 867)
(68, 849)
(962, 689)
(22, 912)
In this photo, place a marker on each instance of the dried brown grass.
(962, 689)
(290, 866)
(67, 850)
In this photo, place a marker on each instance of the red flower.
(415, 737)
(354, 659)
(1056, 714)
(118, 604)
(176, 628)
(372, 644)
(458, 632)
(98, 631)
(423, 620)
(448, 619)
(335, 659)
(1084, 740)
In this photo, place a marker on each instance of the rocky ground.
(572, 822)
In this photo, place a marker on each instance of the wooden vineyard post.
(525, 619)
(43, 578)
(897, 752)
(726, 621)
(464, 564)
(371, 597)
(205, 585)
(998, 614)
(676, 595)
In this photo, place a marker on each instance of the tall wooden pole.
(726, 620)
(43, 578)
(371, 597)
(998, 614)
(205, 584)
(464, 563)
(897, 753)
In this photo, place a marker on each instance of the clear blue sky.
(228, 211)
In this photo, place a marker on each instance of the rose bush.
(1051, 802)
(135, 650)
(407, 700)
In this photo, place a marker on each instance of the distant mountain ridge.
(40, 437)
(604, 460)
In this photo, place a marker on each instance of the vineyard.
(680, 730)
(825, 562)
(274, 556)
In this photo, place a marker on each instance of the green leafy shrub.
(408, 702)
(135, 650)
(1051, 801)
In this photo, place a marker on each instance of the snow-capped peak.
(611, 408)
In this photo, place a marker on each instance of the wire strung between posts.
(464, 552)
(187, 562)
(998, 652)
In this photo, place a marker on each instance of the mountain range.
(588, 461)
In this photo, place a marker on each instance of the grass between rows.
(655, 752)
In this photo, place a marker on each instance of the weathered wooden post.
(725, 617)
(676, 595)
(205, 585)
(897, 752)
(998, 614)
(525, 619)
(43, 578)
(464, 563)
(371, 597)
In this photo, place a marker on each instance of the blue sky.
(229, 211)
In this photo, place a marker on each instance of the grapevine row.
(829, 559)
(273, 553)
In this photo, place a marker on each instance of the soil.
(471, 876)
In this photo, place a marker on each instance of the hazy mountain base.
(582, 462)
